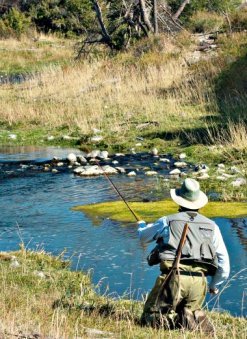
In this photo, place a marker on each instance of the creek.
(36, 210)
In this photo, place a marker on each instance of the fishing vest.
(198, 246)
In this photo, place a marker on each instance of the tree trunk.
(145, 16)
(155, 10)
(180, 10)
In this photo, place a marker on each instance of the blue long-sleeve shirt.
(151, 232)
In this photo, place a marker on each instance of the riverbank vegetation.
(182, 90)
(41, 297)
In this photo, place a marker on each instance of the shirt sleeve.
(151, 232)
(223, 269)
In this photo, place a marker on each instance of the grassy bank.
(41, 297)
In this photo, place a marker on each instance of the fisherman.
(178, 301)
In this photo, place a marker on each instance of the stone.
(165, 160)
(139, 144)
(154, 151)
(180, 164)
(59, 164)
(239, 182)
(183, 174)
(203, 176)
(120, 155)
(96, 138)
(40, 274)
(12, 136)
(114, 162)
(14, 263)
(95, 153)
(182, 156)
(79, 170)
(67, 137)
(121, 170)
(81, 159)
(50, 138)
(46, 168)
(226, 175)
(24, 166)
(54, 170)
(221, 166)
(221, 178)
(91, 171)
(176, 171)
(103, 155)
(71, 158)
(151, 173)
(131, 174)
(235, 170)
(110, 170)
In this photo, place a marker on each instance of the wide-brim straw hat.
(189, 195)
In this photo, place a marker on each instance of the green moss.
(150, 211)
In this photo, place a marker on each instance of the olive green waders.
(184, 291)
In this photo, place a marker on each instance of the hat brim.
(201, 201)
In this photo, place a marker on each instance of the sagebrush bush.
(206, 22)
(14, 23)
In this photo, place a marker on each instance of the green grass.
(150, 211)
(42, 296)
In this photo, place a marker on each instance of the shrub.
(206, 22)
(239, 20)
(14, 23)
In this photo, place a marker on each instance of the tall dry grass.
(110, 95)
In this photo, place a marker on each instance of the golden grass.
(151, 211)
(108, 94)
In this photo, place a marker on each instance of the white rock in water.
(79, 170)
(50, 138)
(131, 174)
(103, 155)
(204, 176)
(120, 155)
(13, 136)
(59, 164)
(221, 166)
(180, 164)
(176, 171)
(121, 169)
(81, 159)
(96, 138)
(115, 162)
(46, 168)
(109, 170)
(54, 170)
(154, 151)
(151, 173)
(91, 171)
(165, 160)
(182, 156)
(95, 153)
(239, 182)
(71, 157)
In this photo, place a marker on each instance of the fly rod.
(115, 188)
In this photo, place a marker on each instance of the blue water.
(36, 209)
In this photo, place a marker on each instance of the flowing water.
(36, 209)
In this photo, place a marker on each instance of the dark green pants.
(181, 291)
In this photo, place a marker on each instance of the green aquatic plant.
(150, 211)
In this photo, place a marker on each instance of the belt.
(188, 273)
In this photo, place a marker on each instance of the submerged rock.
(182, 156)
(131, 174)
(151, 173)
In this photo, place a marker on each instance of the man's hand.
(213, 291)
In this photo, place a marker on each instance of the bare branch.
(180, 9)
